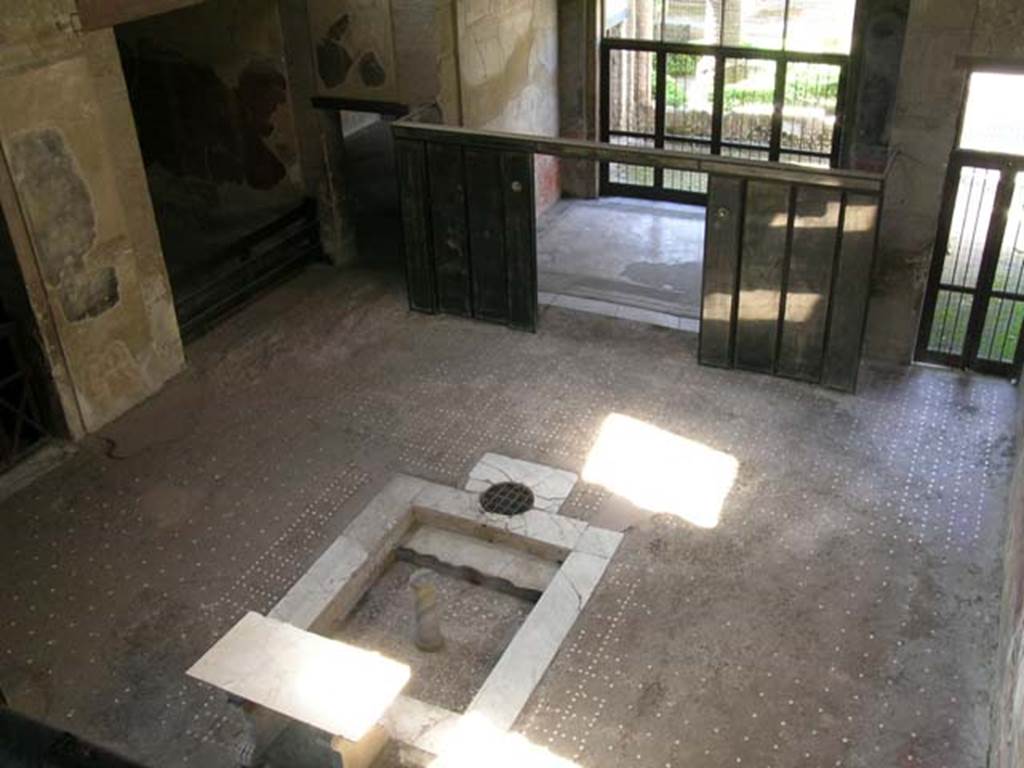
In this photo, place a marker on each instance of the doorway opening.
(760, 80)
(30, 410)
(220, 149)
(623, 253)
(974, 305)
(371, 189)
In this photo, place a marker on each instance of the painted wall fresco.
(354, 49)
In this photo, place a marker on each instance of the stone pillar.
(337, 232)
(74, 193)
(924, 127)
(449, 97)
(298, 50)
(428, 613)
(578, 35)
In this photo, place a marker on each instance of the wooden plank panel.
(809, 282)
(448, 222)
(520, 238)
(850, 294)
(721, 270)
(411, 162)
(487, 234)
(765, 228)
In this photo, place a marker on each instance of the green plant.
(675, 94)
(681, 65)
(738, 97)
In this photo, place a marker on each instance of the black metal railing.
(22, 425)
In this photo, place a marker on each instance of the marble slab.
(520, 568)
(386, 516)
(333, 686)
(557, 534)
(338, 578)
(520, 668)
(620, 311)
(424, 726)
(599, 541)
(312, 595)
(288, 670)
(550, 486)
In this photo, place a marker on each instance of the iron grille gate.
(22, 424)
(974, 306)
(753, 105)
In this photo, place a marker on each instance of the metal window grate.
(758, 104)
(820, 26)
(507, 499)
(21, 422)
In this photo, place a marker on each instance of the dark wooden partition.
(470, 231)
(788, 250)
(787, 272)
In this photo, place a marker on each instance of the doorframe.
(982, 293)
(661, 51)
(1008, 165)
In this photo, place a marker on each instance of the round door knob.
(517, 186)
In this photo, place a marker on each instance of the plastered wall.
(75, 198)
(1007, 750)
(508, 63)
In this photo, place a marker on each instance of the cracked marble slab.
(333, 686)
(550, 486)
(519, 670)
(534, 544)
(518, 567)
(312, 595)
(534, 526)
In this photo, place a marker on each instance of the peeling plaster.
(57, 201)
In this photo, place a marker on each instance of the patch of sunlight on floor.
(475, 742)
(372, 681)
(660, 471)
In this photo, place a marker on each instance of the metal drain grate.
(507, 499)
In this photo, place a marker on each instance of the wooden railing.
(788, 250)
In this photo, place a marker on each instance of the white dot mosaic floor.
(841, 613)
